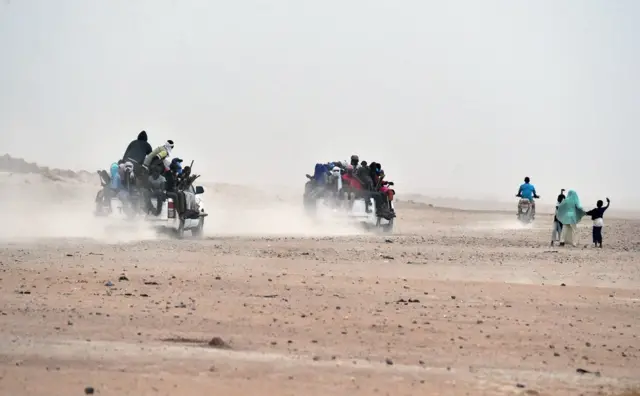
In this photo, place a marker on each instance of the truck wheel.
(388, 228)
(180, 230)
(100, 207)
(199, 230)
(309, 201)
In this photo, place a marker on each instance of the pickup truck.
(167, 218)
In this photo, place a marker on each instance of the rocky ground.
(454, 303)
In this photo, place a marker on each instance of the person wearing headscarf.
(138, 149)
(355, 161)
(159, 159)
(175, 170)
(335, 180)
(570, 212)
(350, 180)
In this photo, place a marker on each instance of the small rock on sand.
(217, 342)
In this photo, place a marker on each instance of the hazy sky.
(452, 97)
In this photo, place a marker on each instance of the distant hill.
(18, 165)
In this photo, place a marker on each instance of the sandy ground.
(454, 303)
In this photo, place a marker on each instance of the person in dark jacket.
(175, 169)
(355, 161)
(375, 169)
(557, 225)
(362, 175)
(138, 149)
(596, 215)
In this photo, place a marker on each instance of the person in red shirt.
(350, 179)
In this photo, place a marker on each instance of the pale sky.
(452, 97)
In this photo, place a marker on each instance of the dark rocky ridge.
(18, 165)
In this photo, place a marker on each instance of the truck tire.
(180, 230)
(309, 200)
(199, 230)
(388, 228)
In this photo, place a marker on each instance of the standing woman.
(570, 213)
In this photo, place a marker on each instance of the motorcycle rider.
(528, 191)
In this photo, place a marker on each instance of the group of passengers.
(152, 171)
(147, 167)
(355, 179)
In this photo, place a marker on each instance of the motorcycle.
(526, 211)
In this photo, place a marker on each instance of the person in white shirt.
(596, 215)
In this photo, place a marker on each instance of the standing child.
(596, 215)
(557, 225)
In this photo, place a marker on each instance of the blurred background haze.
(456, 98)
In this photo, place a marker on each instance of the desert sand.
(454, 302)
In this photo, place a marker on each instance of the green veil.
(570, 210)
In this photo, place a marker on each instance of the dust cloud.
(276, 219)
(34, 207)
(39, 203)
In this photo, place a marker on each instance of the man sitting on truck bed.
(175, 169)
(157, 190)
(138, 149)
(158, 159)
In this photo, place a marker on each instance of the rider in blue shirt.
(528, 191)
